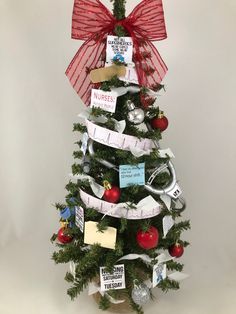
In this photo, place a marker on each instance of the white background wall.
(38, 108)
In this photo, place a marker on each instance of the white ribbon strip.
(97, 189)
(178, 276)
(72, 268)
(148, 283)
(84, 145)
(146, 208)
(167, 200)
(86, 114)
(137, 152)
(131, 257)
(138, 147)
(162, 258)
(120, 91)
(117, 140)
(168, 223)
(93, 288)
(120, 125)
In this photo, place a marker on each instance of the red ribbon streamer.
(92, 22)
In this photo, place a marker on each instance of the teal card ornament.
(132, 175)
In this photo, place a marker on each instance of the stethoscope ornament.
(172, 189)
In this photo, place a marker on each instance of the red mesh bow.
(92, 22)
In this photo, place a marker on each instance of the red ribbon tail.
(151, 70)
(88, 57)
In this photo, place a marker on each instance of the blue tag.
(132, 175)
(65, 213)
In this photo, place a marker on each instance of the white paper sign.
(176, 192)
(159, 274)
(79, 218)
(119, 49)
(114, 280)
(104, 100)
(130, 76)
(168, 223)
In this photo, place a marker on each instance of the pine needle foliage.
(89, 259)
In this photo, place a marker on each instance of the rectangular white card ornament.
(114, 280)
(106, 239)
(103, 100)
(119, 49)
(79, 218)
(159, 274)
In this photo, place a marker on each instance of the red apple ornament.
(176, 250)
(160, 122)
(63, 237)
(148, 239)
(112, 193)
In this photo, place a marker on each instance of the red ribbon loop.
(92, 22)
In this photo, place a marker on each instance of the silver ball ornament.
(136, 115)
(140, 294)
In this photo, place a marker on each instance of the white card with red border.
(104, 100)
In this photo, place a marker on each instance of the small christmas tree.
(120, 224)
